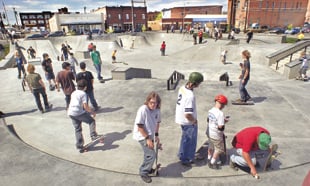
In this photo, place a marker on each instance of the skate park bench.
(82, 55)
(125, 73)
(174, 79)
(291, 69)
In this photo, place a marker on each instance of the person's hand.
(157, 139)
(243, 81)
(93, 114)
(150, 143)
(254, 173)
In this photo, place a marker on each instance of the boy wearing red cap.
(215, 131)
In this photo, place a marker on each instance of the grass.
(291, 40)
(6, 51)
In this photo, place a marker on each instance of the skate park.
(44, 150)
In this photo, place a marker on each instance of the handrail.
(175, 76)
(287, 51)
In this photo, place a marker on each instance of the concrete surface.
(47, 155)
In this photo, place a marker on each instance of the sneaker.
(93, 138)
(97, 108)
(248, 99)
(42, 111)
(48, 107)
(187, 164)
(233, 165)
(213, 166)
(146, 178)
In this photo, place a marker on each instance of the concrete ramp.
(134, 41)
(41, 46)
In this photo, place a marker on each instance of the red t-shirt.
(246, 139)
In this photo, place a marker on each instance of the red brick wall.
(177, 12)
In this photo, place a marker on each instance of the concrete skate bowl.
(41, 46)
(122, 154)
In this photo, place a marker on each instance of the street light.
(15, 13)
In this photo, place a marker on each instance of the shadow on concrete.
(18, 113)
(58, 108)
(109, 139)
(259, 99)
(109, 109)
(173, 170)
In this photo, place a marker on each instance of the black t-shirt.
(88, 76)
(64, 49)
(47, 65)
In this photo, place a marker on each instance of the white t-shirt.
(186, 104)
(149, 118)
(216, 118)
(78, 98)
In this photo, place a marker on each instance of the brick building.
(35, 19)
(307, 18)
(272, 13)
(120, 18)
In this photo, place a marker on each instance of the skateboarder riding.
(146, 132)
(247, 142)
(215, 131)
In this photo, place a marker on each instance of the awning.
(209, 19)
(81, 23)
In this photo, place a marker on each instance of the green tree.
(159, 16)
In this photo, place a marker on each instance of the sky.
(78, 5)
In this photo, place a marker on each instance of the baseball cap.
(264, 141)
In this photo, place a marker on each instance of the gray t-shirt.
(78, 98)
(246, 65)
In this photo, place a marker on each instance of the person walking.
(49, 72)
(79, 112)
(20, 64)
(65, 78)
(186, 117)
(37, 87)
(64, 52)
(215, 131)
(31, 52)
(200, 36)
(73, 61)
(249, 36)
(304, 66)
(163, 48)
(245, 76)
(246, 143)
(95, 56)
(146, 132)
(88, 76)
(114, 56)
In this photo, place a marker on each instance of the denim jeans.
(36, 93)
(244, 95)
(239, 160)
(188, 143)
(20, 69)
(77, 123)
(98, 69)
(149, 158)
(68, 99)
(92, 99)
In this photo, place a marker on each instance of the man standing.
(95, 56)
(64, 52)
(249, 35)
(31, 52)
(186, 116)
(66, 78)
(163, 48)
(245, 76)
(49, 72)
(79, 112)
(88, 76)
(200, 35)
(246, 142)
(146, 132)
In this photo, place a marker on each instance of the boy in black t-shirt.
(88, 76)
(49, 72)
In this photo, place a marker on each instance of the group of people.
(147, 124)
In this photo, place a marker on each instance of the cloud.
(32, 2)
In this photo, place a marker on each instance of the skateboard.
(86, 147)
(24, 85)
(158, 146)
(121, 62)
(272, 156)
(302, 79)
(223, 156)
(237, 102)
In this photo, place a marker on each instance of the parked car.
(119, 31)
(292, 31)
(56, 34)
(306, 29)
(277, 30)
(44, 32)
(35, 36)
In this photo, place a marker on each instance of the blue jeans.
(244, 95)
(188, 143)
(149, 158)
(68, 99)
(92, 99)
(77, 123)
(98, 69)
(36, 93)
(20, 68)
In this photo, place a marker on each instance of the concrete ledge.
(82, 55)
(291, 70)
(125, 73)
(35, 61)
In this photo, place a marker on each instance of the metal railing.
(174, 79)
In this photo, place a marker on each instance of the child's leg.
(218, 149)
(210, 150)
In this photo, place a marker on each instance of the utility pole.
(7, 18)
(15, 13)
(246, 15)
(132, 12)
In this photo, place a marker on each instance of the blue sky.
(78, 5)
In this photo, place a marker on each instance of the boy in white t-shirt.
(215, 131)
(146, 132)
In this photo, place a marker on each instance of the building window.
(33, 22)
(47, 16)
(127, 16)
(25, 17)
(260, 4)
(119, 16)
(267, 5)
(273, 5)
(32, 17)
(297, 5)
(109, 16)
(134, 15)
(284, 6)
(40, 22)
(26, 22)
(40, 16)
(143, 16)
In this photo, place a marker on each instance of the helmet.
(221, 99)
(196, 77)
